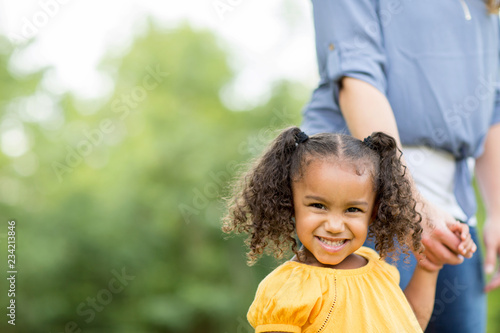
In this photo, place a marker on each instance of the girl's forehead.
(359, 167)
(325, 177)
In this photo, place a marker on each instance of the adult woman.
(424, 72)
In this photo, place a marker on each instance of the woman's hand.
(441, 243)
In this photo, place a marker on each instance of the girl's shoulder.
(289, 276)
(290, 296)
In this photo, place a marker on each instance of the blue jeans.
(460, 305)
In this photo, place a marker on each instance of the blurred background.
(121, 125)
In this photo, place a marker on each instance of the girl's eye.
(317, 205)
(353, 210)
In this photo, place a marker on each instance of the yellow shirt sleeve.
(285, 301)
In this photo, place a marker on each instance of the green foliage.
(134, 190)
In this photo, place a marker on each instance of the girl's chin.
(323, 259)
(329, 262)
(326, 260)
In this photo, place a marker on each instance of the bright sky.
(72, 36)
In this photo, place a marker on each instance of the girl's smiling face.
(333, 208)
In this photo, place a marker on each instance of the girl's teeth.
(332, 243)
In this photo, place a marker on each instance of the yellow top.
(296, 297)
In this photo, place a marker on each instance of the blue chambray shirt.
(437, 61)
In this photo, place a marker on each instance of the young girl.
(332, 191)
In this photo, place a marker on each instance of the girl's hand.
(467, 246)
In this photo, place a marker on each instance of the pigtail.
(262, 201)
(493, 6)
(396, 217)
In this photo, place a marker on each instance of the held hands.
(467, 246)
(446, 241)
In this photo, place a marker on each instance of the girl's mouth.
(332, 245)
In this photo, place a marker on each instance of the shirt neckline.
(363, 252)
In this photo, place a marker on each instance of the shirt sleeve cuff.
(359, 66)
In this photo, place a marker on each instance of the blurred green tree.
(119, 227)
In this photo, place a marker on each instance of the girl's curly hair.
(262, 201)
(493, 6)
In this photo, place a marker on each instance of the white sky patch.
(72, 37)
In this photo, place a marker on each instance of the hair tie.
(301, 138)
(368, 141)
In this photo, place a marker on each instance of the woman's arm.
(366, 109)
(488, 177)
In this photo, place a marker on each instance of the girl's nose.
(334, 225)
